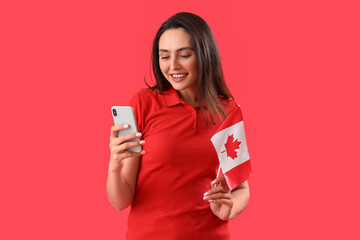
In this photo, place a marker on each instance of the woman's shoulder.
(147, 98)
(229, 103)
(143, 94)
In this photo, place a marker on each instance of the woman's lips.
(178, 77)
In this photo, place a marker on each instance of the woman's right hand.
(119, 147)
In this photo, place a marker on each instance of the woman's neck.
(190, 97)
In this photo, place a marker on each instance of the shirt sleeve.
(230, 105)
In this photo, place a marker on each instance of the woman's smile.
(178, 77)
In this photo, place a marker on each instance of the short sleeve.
(230, 104)
(135, 104)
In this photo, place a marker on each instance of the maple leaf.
(231, 146)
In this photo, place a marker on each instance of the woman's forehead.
(174, 39)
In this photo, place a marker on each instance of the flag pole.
(217, 175)
(218, 172)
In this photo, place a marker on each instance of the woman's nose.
(174, 64)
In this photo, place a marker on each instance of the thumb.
(218, 181)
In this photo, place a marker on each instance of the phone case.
(122, 115)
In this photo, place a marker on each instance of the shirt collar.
(171, 97)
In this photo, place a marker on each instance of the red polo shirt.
(176, 170)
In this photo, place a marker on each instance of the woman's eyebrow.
(180, 49)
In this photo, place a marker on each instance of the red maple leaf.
(231, 146)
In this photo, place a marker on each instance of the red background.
(292, 65)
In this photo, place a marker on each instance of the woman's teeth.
(178, 75)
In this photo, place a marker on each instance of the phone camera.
(114, 112)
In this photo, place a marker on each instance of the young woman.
(171, 185)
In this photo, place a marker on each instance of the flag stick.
(217, 175)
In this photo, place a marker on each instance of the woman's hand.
(119, 146)
(220, 198)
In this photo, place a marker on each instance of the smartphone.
(122, 115)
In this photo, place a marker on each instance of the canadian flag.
(230, 145)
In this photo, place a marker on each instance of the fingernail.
(214, 181)
(142, 142)
(142, 152)
(138, 134)
(205, 198)
(126, 125)
(205, 194)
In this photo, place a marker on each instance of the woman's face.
(177, 60)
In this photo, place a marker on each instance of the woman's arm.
(240, 198)
(120, 184)
(123, 168)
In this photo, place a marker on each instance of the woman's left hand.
(220, 198)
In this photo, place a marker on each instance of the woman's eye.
(185, 56)
(164, 57)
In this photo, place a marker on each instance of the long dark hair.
(210, 79)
